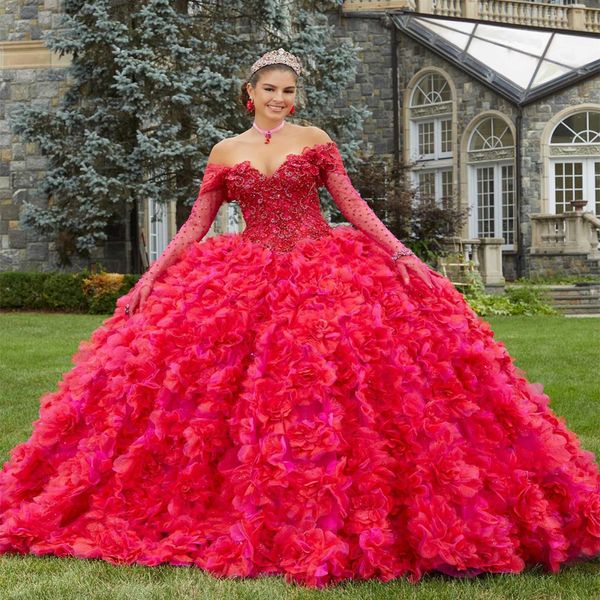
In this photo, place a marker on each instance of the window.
(158, 230)
(575, 163)
(491, 157)
(431, 136)
(436, 185)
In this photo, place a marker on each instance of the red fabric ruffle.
(303, 414)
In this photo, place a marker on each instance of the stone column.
(490, 261)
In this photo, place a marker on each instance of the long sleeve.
(210, 197)
(351, 204)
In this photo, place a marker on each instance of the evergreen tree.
(155, 85)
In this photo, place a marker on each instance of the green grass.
(35, 349)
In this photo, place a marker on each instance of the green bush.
(22, 290)
(522, 300)
(64, 292)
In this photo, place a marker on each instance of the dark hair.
(253, 79)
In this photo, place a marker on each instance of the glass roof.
(521, 63)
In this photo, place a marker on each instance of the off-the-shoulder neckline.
(304, 150)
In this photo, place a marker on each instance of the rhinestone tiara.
(276, 57)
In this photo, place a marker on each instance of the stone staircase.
(575, 299)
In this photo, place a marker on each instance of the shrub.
(523, 300)
(22, 290)
(63, 291)
(69, 292)
(101, 291)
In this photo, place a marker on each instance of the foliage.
(22, 290)
(63, 291)
(86, 292)
(416, 219)
(155, 84)
(521, 300)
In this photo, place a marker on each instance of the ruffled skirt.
(303, 414)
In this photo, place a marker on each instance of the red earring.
(292, 110)
(250, 105)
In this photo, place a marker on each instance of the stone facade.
(26, 20)
(472, 99)
(373, 86)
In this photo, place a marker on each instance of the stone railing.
(483, 254)
(518, 12)
(567, 233)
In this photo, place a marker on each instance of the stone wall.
(22, 167)
(28, 19)
(374, 84)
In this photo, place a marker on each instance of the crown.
(276, 57)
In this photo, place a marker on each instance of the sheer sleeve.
(335, 178)
(210, 197)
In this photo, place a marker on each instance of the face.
(274, 94)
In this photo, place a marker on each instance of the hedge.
(97, 293)
(83, 292)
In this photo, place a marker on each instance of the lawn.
(35, 348)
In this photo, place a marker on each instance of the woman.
(297, 399)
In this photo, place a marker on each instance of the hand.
(138, 297)
(417, 266)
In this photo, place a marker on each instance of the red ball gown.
(284, 404)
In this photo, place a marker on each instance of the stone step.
(589, 309)
(571, 295)
(568, 294)
(574, 299)
(563, 304)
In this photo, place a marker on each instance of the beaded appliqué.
(281, 208)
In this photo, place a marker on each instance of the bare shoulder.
(315, 135)
(221, 150)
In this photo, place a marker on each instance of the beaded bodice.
(281, 208)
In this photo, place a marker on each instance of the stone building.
(495, 102)
(498, 104)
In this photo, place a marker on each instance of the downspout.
(395, 95)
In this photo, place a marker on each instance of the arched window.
(430, 110)
(491, 158)
(575, 162)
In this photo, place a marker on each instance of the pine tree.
(155, 85)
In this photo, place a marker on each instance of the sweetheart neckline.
(285, 160)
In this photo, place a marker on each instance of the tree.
(155, 85)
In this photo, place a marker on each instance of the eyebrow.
(273, 85)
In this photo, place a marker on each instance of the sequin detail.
(282, 208)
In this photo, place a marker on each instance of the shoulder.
(315, 135)
(220, 150)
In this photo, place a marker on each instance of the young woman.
(298, 400)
